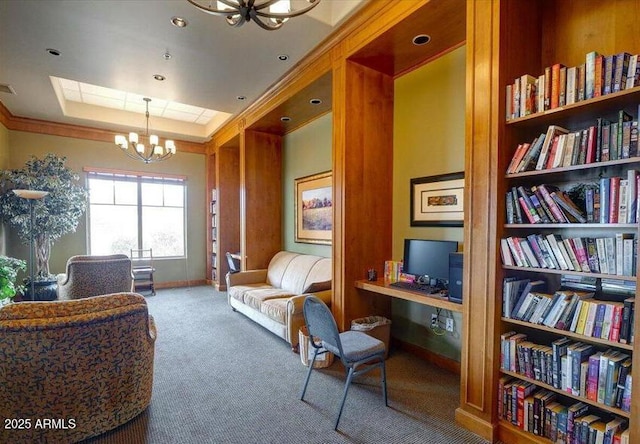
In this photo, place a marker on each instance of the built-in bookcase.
(544, 337)
(558, 33)
(213, 214)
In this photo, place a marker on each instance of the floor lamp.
(31, 195)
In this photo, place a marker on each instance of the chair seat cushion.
(357, 346)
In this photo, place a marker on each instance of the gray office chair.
(358, 351)
(234, 264)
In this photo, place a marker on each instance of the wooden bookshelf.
(576, 273)
(541, 384)
(568, 334)
(506, 40)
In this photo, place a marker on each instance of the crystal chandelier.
(237, 12)
(139, 151)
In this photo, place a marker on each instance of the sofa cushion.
(295, 276)
(318, 286)
(277, 267)
(238, 291)
(255, 298)
(320, 273)
(276, 309)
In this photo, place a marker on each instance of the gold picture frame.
(314, 209)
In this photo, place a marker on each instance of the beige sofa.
(273, 297)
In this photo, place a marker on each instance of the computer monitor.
(428, 260)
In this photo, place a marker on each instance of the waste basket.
(378, 327)
(307, 351)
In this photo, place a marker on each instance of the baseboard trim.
(475, 424)
(429, 356)
(179, 284)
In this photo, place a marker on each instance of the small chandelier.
(155, 152)
(237, 12)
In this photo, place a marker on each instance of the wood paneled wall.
(228, 187)
(479, 320)
(363, 173)
(261, 198)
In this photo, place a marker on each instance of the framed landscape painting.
(438, 200)
(314, 209)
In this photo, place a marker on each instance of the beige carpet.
(221, 378)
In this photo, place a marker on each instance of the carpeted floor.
(221, 378)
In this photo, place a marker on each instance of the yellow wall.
(429, 110)
(306, 151)
(86, 153)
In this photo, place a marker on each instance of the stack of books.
(604, 255)
(559, 147)
(541, 412)
(574, 311)
(571, 366)
(560, 85)
(611, 200)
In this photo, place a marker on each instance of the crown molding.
(15, 123)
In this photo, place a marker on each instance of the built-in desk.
(432, 300)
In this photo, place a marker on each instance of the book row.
(570, 310)
(559, 147)
(560, 85)
(541, 412)
(604, 255)
(611, 200)
(573, 367)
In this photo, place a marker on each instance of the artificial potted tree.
(55, 215)
(9, 268)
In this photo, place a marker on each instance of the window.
(130, 211)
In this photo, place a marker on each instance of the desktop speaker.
(455, 277)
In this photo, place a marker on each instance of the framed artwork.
(438, 201)
(314, 209)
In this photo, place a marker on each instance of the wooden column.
(261, 198)
(363, 172)
(228, 189)
(480, 314)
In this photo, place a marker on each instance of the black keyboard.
(414, 286)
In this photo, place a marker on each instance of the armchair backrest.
(95, 275)
(88, 359)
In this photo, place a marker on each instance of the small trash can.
(378, 327)
(307, 351)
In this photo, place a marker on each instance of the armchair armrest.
(247, 277)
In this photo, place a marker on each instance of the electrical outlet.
(434, 320)
(449, 325)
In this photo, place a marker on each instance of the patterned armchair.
(86, 363)
(95, 275)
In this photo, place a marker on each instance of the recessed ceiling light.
(241, 98)
(283, 57)
(315, 101)
(179, 22)
(167, 56)
(421, 39)
(159, 77)
(54, 52)
(285, 119)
